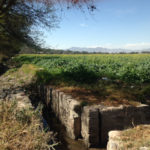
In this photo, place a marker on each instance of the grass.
(91, 68)
(135, 138)
(106, 95)
(22, 76)
(112, 79)
(101, 92)
(21, 129)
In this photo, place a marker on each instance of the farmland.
(128, 68)
(128, 74)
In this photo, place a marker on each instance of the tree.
(17, 17)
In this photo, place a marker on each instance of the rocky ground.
(16, 80)
(16, 85)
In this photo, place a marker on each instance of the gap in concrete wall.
(55, 124)
(93, 122)
(103, 145)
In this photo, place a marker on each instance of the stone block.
(94, 122)
(65, 109)
(114, 141)
(120, 118)
(90, 126)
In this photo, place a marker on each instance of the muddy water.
(78, 145)
(65, 142)
(72, 145)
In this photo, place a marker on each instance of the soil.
(107, 97)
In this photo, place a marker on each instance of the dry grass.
(105, 96)
(20, 77)
(21, 129)
(137, 137)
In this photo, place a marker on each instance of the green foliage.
(17, 17)
(43, 76)
(91, 68)
(80, 73)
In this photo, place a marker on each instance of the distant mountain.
(77, 50)
(97, 49)
(106, 50)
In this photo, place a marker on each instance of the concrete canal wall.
(92, 123)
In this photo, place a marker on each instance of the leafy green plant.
(81, 73)
(90, 68)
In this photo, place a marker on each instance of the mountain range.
(106, 50)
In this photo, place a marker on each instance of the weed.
(21, 129)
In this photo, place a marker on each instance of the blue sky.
(114, 24)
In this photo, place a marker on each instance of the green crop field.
(130, 68)
(117, 78)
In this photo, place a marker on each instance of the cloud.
(142, 45)
(83, 25)
(106, 45)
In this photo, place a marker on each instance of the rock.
(90, 126)
(67, 110)
(114, 134)
(122, 117)
(114, 141)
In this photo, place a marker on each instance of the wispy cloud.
(106, 45)
(83, 25)
(142, 45)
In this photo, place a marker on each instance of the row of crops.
(131, 68)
